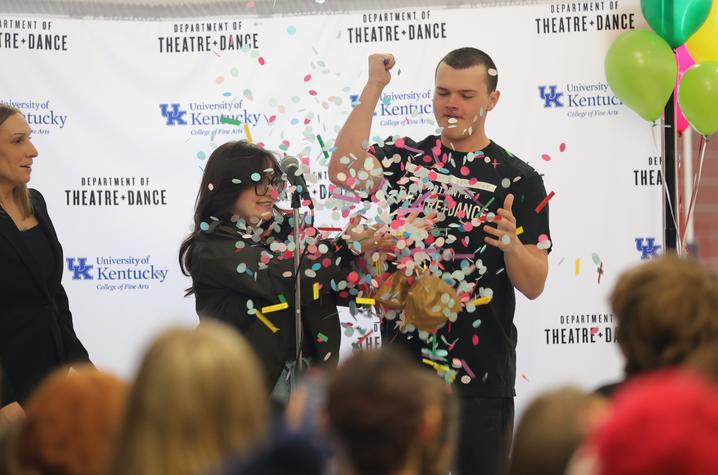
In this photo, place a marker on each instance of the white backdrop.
(94, 94)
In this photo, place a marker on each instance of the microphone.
(290, 167)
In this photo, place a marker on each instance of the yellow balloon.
(703, 45)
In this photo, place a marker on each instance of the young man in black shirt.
(493, 221)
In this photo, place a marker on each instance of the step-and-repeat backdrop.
(125, 114)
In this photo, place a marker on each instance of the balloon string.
(697, 178)
(665, 187)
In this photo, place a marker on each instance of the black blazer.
(224, 293)
(36, 332)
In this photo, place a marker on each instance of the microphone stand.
(298, 366)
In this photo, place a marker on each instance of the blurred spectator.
(390, 416)
(199, 396)
(664, 423)
(71, 423)
(552, 428)
(665, 309)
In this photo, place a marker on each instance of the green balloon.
(675, 20)
(698, 97)
(641, 70)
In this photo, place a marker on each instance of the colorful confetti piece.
(544, 202)
(275, 308)
(266, 321)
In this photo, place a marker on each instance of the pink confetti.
(562, 147)
(312, 92)
(525, 377)
(464, 171)
(475, 340)
(353, 277)
(351, 199)
(261, 60)
(594, 330)
(307, 78)
(468, 370)
(546, 157)
(403, 211)
(271, 119)
(414, 150)
(399, 143)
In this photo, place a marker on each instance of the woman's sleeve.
(257, 272)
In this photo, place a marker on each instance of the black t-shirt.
(467, 189)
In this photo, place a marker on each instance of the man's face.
(461, 100)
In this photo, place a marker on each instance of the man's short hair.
(468, 57)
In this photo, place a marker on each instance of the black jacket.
(36, 332)
(224, 292)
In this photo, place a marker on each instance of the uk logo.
(550, 97)
(173, 114)
(80, 271)
(647, 247)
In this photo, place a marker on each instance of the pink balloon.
(685, 61)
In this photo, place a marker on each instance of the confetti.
(435, 365)
(292, 30)
(596, 259)
(519, 230)
(275, 308)
(562, 147)
(201, 155)
(544, 202)
(228, 120)
(546, 157)
(365, 301)
(482, 300)
(324, 148)
(578, 266)
(468, 369)
(261, 61)
(322, 337)
(266, 321)
(249, 134)
(315, 290)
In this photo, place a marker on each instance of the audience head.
(661, 423)
(199, 396)
(551, 429)
(71, 423)
(388, 414)
(665, 309)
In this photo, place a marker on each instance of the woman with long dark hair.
(240, 258)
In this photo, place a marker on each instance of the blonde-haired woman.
(36, 330)
(199, 396)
